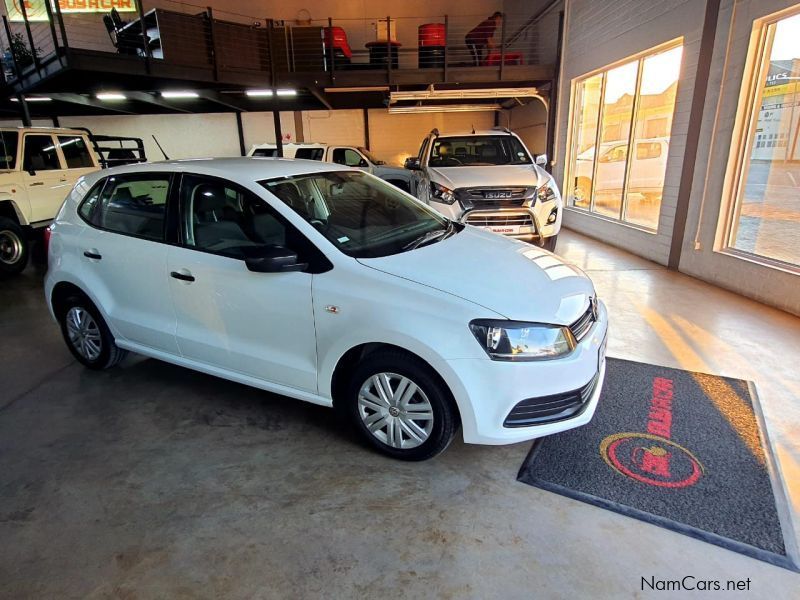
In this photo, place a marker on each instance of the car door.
(256, 324)
(44, 175)
(421, 179)
(78, 159)
(125, 257)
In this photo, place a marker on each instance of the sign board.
(36, 10)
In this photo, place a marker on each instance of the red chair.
(336, 46)
(432, 42)
(510, 58)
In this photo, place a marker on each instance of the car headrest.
(488, 151)
(209, 197)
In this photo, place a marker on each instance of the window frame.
(571, 151)
(318, 262)
(56, 149)
(89, 153)
(168, 226)
(745, 138)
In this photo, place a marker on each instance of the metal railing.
(195, 36)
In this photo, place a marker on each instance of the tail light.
(46, 241)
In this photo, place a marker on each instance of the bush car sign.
(36, 9)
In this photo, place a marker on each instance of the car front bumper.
(487, 391)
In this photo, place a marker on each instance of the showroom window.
(620, 132)
(764, 220)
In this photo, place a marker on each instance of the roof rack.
(435, 131)
(501, 128)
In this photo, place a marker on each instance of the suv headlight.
(546, 192)
(442, 194)
(518, 341)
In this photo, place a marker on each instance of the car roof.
(476, 133)
(44, 130)
(250, 168)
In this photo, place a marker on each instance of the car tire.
(380, 419)
(14, 248)
(87, 336)
(549, 243)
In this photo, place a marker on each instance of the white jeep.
(38, 168)
(490, 180)
(349, 156)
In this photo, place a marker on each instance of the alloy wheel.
(395, 410)
(11, 247)
(84, 334)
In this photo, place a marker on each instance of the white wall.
(597, 35)
(529, 122)
(773, 286)
(334, 127)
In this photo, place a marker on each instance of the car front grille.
(494, 197)
(550, 409)
(499, 220)
(584, 323)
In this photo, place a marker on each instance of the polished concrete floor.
(151, 481)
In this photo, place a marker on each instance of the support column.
(366, 129)
(276, 121)
(299, 134)
(23, 108)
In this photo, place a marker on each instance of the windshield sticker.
(343, 239)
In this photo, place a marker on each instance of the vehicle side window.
(8, 149)
(134, 205)
(647, 150)
(220, 217)
(347, 157)
(75, 152)
(40, 154)
(266, 152)
(90, 201)
(309, 153)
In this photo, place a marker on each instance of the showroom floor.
(153, 481)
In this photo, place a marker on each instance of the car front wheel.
(13, 248)
(87, 335)
(549, 243)
(400, 407)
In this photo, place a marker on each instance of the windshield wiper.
(430, 236)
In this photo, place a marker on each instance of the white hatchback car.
(327, 284)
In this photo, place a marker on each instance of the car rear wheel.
(549, 243)
(87, 335)
(400, 407)
(13, 248)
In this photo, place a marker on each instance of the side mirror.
(272, 259)
(541, 160)
(412, 163)
(363, 163)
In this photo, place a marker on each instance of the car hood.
(516, 175)
(511, 278)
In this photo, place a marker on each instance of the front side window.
(347, 157)
(362, 216)
(75, 152)
(8, 149)
(40, 154)
(764, 220)
(134, 205)
(472, 151)
(621, 123)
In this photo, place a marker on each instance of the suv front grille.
(494, 197)
(489, 220)
(549, 409)
(584, 323)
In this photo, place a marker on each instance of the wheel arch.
(10, 210)
(62, 291)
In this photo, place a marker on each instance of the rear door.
(44, 175)
(77, 157)
(125, 257)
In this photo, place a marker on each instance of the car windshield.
(478, 150)
(8, 149)
(361, 215)
(372, 158)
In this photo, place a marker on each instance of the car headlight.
(442, 194)
(547, 192)
(518, 341)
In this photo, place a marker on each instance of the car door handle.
(93, 254)
(182, 276)
(37, 183)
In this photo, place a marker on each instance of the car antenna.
(473, 128)
(160, 148)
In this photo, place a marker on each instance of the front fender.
(6, 198)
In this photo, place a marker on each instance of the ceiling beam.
(227, 100)
(154, 100)
(90, 102)
(315, 91)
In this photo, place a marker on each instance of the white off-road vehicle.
(38, 168)
(349, 156)
(490, 180)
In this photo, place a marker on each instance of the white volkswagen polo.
(331, 286)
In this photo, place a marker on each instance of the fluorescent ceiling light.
(111, 96)
(287, 92)
(34, 99)
(258, 93)
(399, 110)
(180, 94)
(474, 94)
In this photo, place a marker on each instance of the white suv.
(331, 286)
(489, 179)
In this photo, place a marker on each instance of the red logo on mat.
(652, 457)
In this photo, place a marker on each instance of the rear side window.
(75, 152)
(647, 150)
(8, 149)
(309, 153)
(134, 205)
(267, 152)
(89, 203)
(40, 153)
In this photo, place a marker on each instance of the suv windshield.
(361, 215)
(8, 149)
(480, 150)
